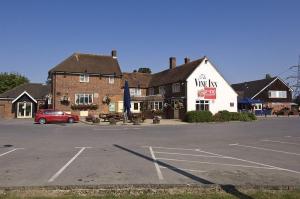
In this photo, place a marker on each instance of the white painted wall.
(224, 93)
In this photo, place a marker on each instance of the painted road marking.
(265, 149)
(276, 141)
(158, 171)
(3, 154)
(184, 154)
(214, 163)
(112, 129)
(200, 171)
(160, 147)
(291, 137)
(67, 164)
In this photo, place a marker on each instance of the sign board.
(207, 93)
(112, 107)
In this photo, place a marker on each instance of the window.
(151, 91)
(111, 79)
(277, 94)
(162, 90)
(135, 92)
(231, 104)
(156, 105)
(176, 88)
(84, 78)
(83, 99)
(136, 106)
(202, 105)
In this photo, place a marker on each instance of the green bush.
(252, 116)
(235, 116)
(244, 117)
(222, 116)
(198, 116)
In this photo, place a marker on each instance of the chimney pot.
(172, 62)
(186, 60)
(114, 54)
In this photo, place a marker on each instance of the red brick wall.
(69, 85)
(6, 109)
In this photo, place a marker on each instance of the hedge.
(198, 116)
(221, 116)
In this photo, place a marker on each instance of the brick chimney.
(186, 60)
(172, 62)
(114, 54)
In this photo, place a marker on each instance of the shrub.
(251, 116)
(198, 116)
(222, 116)
(245, 117)
(235, 116)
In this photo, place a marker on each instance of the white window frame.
(84, 95)
(176, 87)
(277, 94)
(111, 79)
(202, 103)
(162, 90)
(156, 105)
(84, 78)
(135, 92)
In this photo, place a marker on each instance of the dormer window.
(84, 78)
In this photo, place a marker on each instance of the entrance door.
(24, 110)
(176, 109)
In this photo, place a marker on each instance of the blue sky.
(244, 39)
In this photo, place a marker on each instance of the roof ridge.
(272, 78)
(91, 54)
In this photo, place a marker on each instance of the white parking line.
(67, 164)
(291, 137)
(160, 147)
(214, 163)
(158, 171)
(281, 142)
(184, 154)
(192, 170)
(3, 154)
(265, 149)
(113, 129)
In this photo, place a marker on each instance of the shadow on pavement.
(231, 189)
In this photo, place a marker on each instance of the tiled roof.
(249, 89)
(137, 79)
(88, 63)
(37, 91)
(177, 74)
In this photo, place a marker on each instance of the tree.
(11, 80)
(144, 70)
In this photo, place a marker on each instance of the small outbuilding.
(23, 101)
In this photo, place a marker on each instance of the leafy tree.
(144, 70)
(11, 80)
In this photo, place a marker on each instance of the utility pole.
(296, 86)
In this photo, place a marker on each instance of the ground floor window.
(83, 99)
(136, 106)
(156, 105)
(202, 105)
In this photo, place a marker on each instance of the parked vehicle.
(54, 116)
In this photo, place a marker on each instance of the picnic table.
(107, 116)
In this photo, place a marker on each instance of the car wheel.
(42, 121)
(70, 120)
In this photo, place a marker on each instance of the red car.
(48, 116)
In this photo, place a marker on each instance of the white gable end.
(207, 84)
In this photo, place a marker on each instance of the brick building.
(86, 84)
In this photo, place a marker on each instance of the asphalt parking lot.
(265, 152)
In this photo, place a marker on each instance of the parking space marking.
(3, 154)
(158, 171)
(160, 147)
(67, 164)
(288, 136)
(184, 154)
(113, 129)
(281, 142)
(214, 163)
(192, 170)
(265, 149)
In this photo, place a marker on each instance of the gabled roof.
(88, 63)
(137, 80)
(35, 90)
(177, 74)
(252, 88)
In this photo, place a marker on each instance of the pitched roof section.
(88, 63)
(137, 80)
(249, 89)
(177, 74)
(37, 91)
